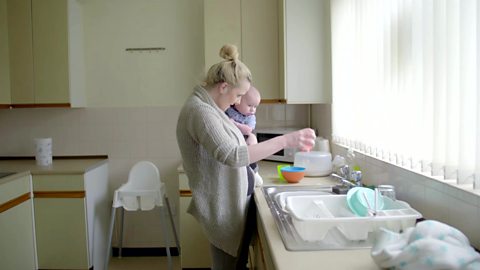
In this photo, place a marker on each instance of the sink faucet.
(348, 178)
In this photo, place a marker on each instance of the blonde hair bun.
(229, 52)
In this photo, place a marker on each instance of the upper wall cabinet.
(45, 53)
(4, 63)
(253, 27)
(306, 51)
(260, 47)
(285, 43)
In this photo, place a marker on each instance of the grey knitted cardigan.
(215, 157)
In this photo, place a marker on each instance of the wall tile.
(407, 189)
(321, 119)
(431, 207)
(458, 211)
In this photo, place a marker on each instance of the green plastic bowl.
(356, 200)
(279, 169)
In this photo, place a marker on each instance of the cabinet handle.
(14, 202)
(59, 194)
(145, 49)
(185, 193)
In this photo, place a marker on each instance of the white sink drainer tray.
(313, 216)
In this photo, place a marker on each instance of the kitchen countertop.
(284, 259)
(13, 176)
(60, 165)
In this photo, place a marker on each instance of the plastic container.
(43, 151)
(316, 163)
(312, 222)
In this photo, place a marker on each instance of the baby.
(243, 116)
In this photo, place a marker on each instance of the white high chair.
(143, 191)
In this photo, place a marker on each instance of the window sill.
(464, 192)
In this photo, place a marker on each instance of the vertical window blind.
(406, 83)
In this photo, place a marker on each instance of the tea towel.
(429, 245)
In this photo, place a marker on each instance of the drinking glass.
(387, 191)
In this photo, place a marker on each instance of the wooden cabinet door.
(61, 230)
(17, 246)
(5, 98)
(61, 221)
(260, 45)
(20, 46)
(38, 51)
(262, 254)
(17, 237)
(195, 248)
(307, 53)
(50, 51)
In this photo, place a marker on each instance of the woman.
(215, 156)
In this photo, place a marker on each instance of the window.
(406, 83)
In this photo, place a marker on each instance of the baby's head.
(249, 103)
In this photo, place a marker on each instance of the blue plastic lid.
(292, 169)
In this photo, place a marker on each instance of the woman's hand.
(303, 139)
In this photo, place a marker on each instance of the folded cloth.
(429, 245)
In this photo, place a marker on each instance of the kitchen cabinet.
(253, 27)
(20, 46)
(45, 53)
(285, 43)
(305, 51)
(260, 256)
(195, 248)
(4, 64)
(17, 232)
(71, 219)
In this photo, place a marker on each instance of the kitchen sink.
(276, 198)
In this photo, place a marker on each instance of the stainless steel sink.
(276, 197)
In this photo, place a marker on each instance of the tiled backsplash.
(434, 199)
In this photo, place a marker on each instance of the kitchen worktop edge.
(60, 164)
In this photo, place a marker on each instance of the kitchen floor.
(142, 263)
